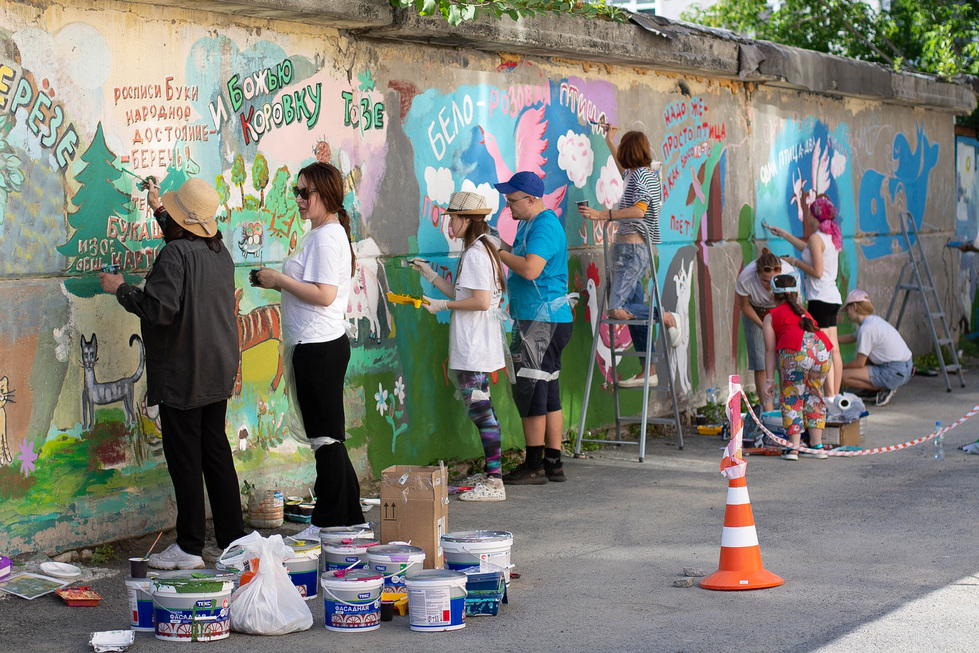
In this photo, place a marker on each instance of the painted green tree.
(281, 205)
(238, 175)
(224, 192)
(98, 199)
(260, 176)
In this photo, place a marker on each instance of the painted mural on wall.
(967, 226)
(245, 109)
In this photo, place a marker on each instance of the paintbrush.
(154, 544)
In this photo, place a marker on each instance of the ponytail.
(344, 219)
(792, 299)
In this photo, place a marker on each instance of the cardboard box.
(842, 434)
(415, 508)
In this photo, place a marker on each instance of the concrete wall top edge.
(673, 47)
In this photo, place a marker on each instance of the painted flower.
(575, 157)
(382, 399)
(399, 389)
(27, 457)
(609, 187)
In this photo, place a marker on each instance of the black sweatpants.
(197, 452)
(320, 368)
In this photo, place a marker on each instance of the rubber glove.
(435, 305)
(424, 269)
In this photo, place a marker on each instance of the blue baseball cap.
(526, 181)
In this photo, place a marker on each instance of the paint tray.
(79, 596)
(396, 298)
(485, 589)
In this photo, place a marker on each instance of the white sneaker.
(173, 557)
(472, 480)
(637, 381)
(489, 490)
(675, 334)
(309, 533)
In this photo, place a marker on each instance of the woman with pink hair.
(820, 261)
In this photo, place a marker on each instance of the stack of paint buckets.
(483, 557)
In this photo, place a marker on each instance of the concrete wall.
(93, 95)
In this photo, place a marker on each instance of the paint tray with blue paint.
(485, 589)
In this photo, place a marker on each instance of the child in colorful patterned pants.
(803, 354)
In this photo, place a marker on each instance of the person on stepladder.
(803, 354)
(637, 218)
(541, 309)
(883, 362)
(475, 330)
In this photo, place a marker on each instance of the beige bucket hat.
(193, 207)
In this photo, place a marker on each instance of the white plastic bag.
(269, 604)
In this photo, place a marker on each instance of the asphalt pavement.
(878, 553)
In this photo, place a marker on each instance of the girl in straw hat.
(803, 353)
(187, 316)
(475, 330)
(315, 285)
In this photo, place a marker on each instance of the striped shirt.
(642, 189)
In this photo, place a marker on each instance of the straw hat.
(468, 203)
(193, 206)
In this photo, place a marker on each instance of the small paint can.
(140, 594)
(436, 599)
(352, 600)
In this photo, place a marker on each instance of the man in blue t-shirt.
(538, 286)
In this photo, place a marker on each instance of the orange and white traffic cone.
(740, 565)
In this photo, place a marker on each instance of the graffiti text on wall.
(296, 106)
(45, 117)
(682, 141)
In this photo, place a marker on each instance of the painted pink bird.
(530, 147)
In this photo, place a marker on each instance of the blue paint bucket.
(346, 554)
(303, 566)
(352, 600)
(393, 561)
(333, 534)
(140, 594)
(436, 599)
(190, 608)
(464, 549)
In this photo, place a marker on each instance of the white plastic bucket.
(352, 600)
(140, 594)
(392, 561)
(303, 566)
(436, 599)
(346, 554)
(464, 549)
(188, 609)
(332, 534)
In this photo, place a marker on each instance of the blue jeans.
(630, 262)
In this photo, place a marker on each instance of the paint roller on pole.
(740, 565)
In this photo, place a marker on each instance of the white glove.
(424, 269)
(435, 305)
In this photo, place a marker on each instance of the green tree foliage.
(455, 11)
(940, 37)
(238, 175)
(260, 176)
(224, 192)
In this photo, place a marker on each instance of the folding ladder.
(915, 267)
(651, 358)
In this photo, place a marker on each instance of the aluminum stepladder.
(651, 357)
(919, 280)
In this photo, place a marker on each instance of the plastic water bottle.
(939, 443)
(711, 396)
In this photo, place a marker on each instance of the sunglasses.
(302, 192)
(511, 201)
(769, 268)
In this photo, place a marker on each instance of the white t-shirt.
(322, 256)
(751, 286)
(824, 288)
(880, 342)
(476, 337)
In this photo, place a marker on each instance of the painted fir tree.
(98, 199)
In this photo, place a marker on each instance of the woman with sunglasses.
(803, 354)
(637, 219)
(820, 261)
(315, 287)
(755, 299)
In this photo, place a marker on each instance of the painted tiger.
(255, 327)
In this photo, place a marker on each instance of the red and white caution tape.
(862, 452)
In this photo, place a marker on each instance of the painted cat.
(96, 393)
(6, 394)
